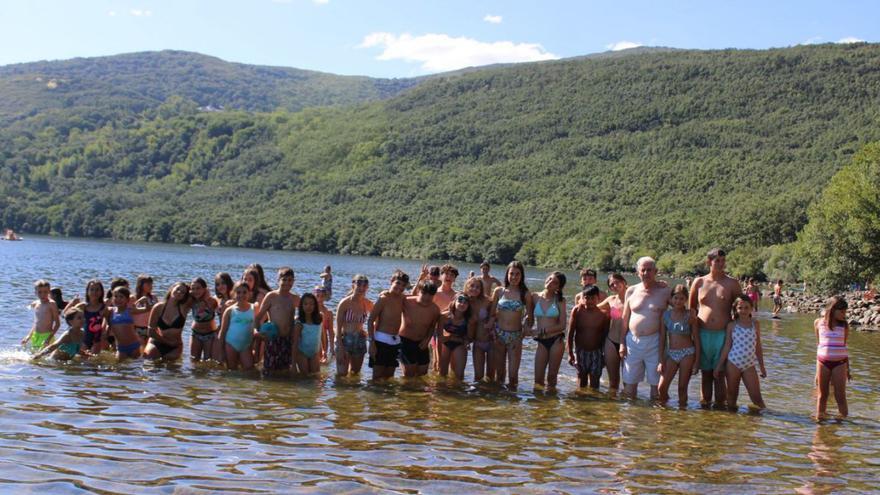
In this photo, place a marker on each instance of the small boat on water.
(198, 245)
(10, 235)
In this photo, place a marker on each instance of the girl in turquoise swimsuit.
(510, 304)
(549, 315)
(307, 335)
(237, 329)
(68, 345)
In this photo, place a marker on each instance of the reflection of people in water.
(824, 454)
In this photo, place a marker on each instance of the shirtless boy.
(383, 328)
(489, 282)
(47, 317)
(588, 277)
(421, 318)
(587, 329)
(640, 347)
(279, 305)
(712, 296)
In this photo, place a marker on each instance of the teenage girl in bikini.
(550, 316)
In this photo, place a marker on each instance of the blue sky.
(407, 38)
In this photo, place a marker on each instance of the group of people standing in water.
(646, 332)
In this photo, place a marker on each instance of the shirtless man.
(712, 296)
(383, 327)
(489, 282)
(47, 318)
(279, 305)
(445, 294)
(640, 347)
(421, 319)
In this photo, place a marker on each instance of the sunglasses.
(462, 299)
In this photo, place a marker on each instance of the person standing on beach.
(641, 348)
(712, 296)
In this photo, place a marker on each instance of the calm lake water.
(153, 428)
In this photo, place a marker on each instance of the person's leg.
(838, 381)
(684, 379)
(612, 364)
(459, 361)
(479, 358)
(556, 354)
(445, 357)
(670, 367)
(541, 358)
(753, 386)
(301, 363)
(246, 357)
(342, 362)
(733, 375)
(707, 385)
(410, 370)
(500, 362)
(314, 363)
(514, 360)
(356, 363)
(231, 358)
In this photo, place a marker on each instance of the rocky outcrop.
(863, 315)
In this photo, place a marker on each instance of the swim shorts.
(641, 358)
(711, 342)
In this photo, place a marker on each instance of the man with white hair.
(640, 347)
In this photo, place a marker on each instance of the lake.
(183, 428)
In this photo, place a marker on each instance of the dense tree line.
(575, 162)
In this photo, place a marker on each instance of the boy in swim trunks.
(46, 317)
(279, 305)
(421, 320)
(69, 345)
(587, 329)
(383, 328)
(712, 296)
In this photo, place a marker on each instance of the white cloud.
(320, 2)
(140, 13)
(493, 19)
(850, 39)
(622, 45)
(111, 13)
(441, 52)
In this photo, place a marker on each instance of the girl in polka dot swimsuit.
(741, 353)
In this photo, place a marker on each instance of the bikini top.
(459, 330)
(551, 312)
(505, 304)
(123, 318)
(675, 327)
(177, 323)
(204, 314)
(616, 312)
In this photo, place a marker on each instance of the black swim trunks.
(411, 354)
(386, 355)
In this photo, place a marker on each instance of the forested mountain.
(139, 81)
(583, 161)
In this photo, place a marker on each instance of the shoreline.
(864, 316)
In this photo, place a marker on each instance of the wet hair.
(123, 290)
(400, 275)
(523, 290)
(590, 291)
(485, 263)
(41, 283)
(741, 297)
(226, 279)
(316, 313)
(560, 296)
(285, 271)
(715, 253)
(478, 283)
(139, 285)
(451, 308)
(447, 268)
(588, 272)
(70, 314)
(428, 287)
(834, 302)
(94, 282)
(616, 276)
(679, 289)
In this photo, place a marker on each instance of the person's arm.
(661, 348)
(694, 295)
(155, 314)
(297, 336)
(559, 325)
(264, 307)
(374, 317)
(728, 341)
(626, 314)
(224, 324)
(571, 331)
(603, 306)
(56, 319)
(695, 336)
(340, 311)
(472, 330)
(65, 337)
(433, 331)
(759, 349)
(530, 312)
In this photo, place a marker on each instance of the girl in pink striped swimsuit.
(832, 365)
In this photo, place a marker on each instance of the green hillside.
(583, 161)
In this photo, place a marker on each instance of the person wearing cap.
(383, 327)
(713, 295)
(421, 319)
(640, 347)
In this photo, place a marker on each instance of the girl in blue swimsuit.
(549, 315)
(307, 335)
(237, 329)
(511, 303)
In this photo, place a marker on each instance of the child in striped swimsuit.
(832, 366)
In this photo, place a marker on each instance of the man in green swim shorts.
(712, 296)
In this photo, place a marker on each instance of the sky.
(409, 38)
